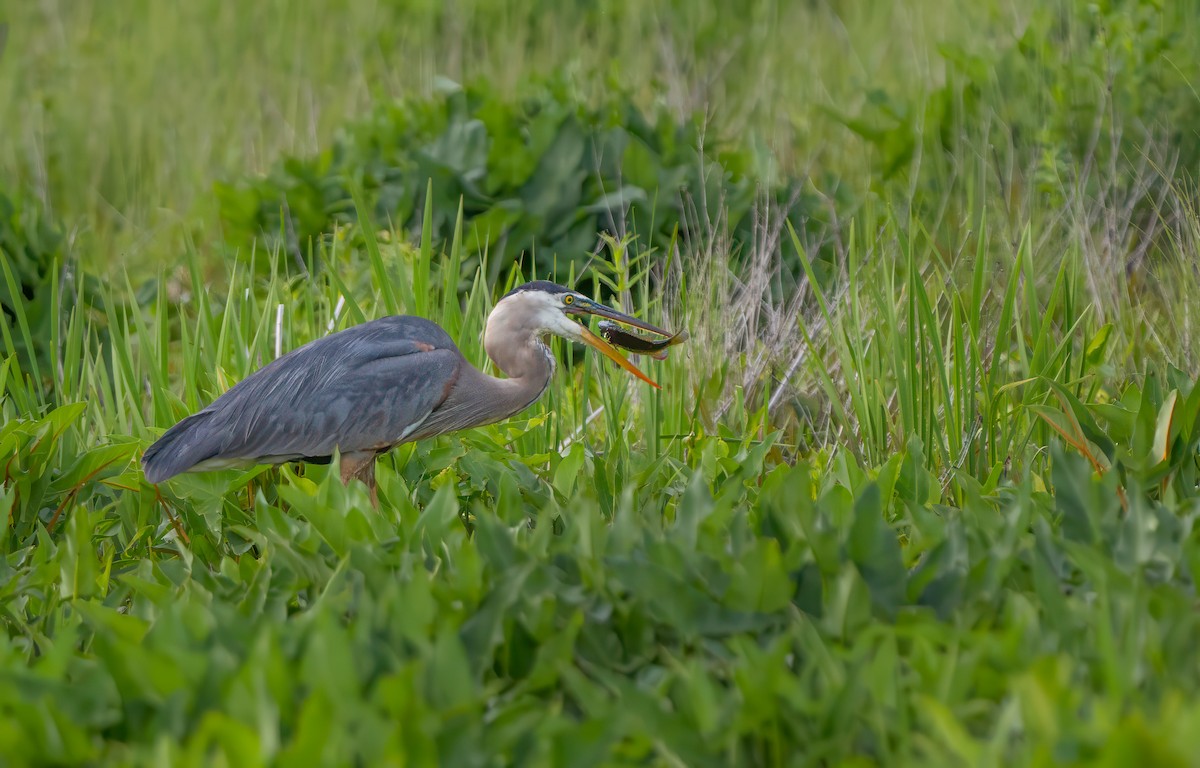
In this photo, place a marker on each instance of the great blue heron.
(369, 388)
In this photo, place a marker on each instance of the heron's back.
(364, 388)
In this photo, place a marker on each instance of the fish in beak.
(588, 308)
(631, 342)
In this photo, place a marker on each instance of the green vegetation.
(921, 488)
(542, 179)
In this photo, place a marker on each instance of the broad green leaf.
(92, 466)
(875, 551)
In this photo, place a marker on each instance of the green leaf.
(915, 483)
(1094, 353)
(761, 583)
(93, 466)
(448, 678)
(567, 472)
(874, 549)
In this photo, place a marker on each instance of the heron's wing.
(363, 389)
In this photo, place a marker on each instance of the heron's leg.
(368, 477)
(361, 466)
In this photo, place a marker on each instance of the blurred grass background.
(121, 117)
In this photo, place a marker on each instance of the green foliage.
(538, 180)
(1082, 98)
(1148, 436)
(31, 250)
(556, 590)
(39, 285)
(756, 613)
(42, 476)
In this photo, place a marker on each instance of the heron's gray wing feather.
(368, 406)
(365, 388)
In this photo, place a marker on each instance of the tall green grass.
(123, 117)
(675, 576)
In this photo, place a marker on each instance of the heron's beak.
(588, 308)
(592, 340)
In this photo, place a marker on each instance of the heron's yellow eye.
(568, 299)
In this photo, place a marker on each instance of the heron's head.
(532, 310)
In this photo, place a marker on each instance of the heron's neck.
(527, 368)
(477, 399)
